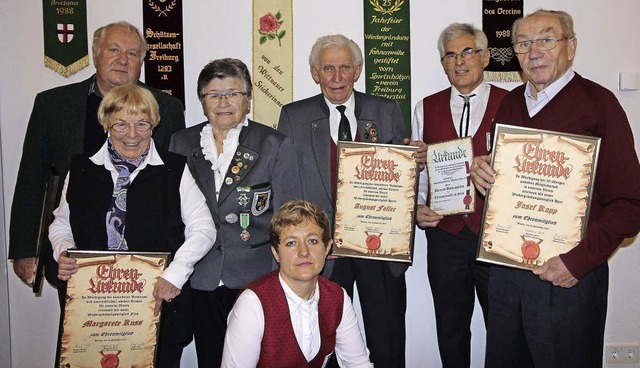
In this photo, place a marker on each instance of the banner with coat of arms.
(387, 52)
(65, 36)
(272, 61)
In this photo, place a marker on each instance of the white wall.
(608, 38)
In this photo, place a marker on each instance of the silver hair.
(337, 40)
(99, 34)
(455, 30)
(565, 19)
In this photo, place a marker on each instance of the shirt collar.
(349, 104)
(93, 88)
(293, 300)
(481, 91)
(554, 88)
(101, 158)
(230, 144)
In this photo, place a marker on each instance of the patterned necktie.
(466, 107)
(344, 130)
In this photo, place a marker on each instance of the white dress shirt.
(478, 107)
(335, 116)
(199, 232)
(220, 161)
(246, 327)
(535, 104)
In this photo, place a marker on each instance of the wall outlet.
(623, 353)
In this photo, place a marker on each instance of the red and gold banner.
(272, 29)
(65, 36)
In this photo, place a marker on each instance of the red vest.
(438, 127)
(279, 345)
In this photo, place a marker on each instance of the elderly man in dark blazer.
(315, 124)
(246, 170)
(64, 122)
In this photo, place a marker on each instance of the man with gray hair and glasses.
(555, 315)
(63, 122)
(465, 109)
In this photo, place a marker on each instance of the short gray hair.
(223, 68)
(99, 34)
(565, 19)
(455, 30)
(337, 40)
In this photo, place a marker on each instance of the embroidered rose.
(268, 23)
(269, 28)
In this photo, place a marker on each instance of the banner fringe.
(502, 77)
(66, 71)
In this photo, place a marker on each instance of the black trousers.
(383, 299)
(535, 324)
(210, 312)
(455, 278)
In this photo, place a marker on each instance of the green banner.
(387, 52)
(65, 35)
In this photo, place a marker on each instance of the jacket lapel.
(74, 116)
(241, 164)
(320, 137)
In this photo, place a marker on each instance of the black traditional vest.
(154, 221)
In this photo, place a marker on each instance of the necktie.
(466, 107)
(344, 129)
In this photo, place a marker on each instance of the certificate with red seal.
(108, 316)
(539, 205)
(451, 190)
(376, 189)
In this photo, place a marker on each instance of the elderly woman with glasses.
(130, 196)
(246, 170)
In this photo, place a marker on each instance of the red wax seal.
(467, 200)
(530, 250)
(110, 360)
(373, 242)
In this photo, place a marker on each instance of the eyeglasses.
(215, 97)
(543, 44)
(121, 126)
(466, 54)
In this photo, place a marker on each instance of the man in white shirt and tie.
(464, 109)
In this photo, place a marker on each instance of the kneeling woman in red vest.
(292, 317)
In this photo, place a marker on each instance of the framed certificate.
(451, 190)
(108, 316)
(376, 188)
(539, 205)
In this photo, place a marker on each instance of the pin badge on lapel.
(371, 132)
(244, 224)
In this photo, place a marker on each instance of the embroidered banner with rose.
(65, 36)
(387, 52)
(272, 29)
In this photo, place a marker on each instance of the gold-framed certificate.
(539, 205)
(376, 189)
(108, 316)
(451, 190)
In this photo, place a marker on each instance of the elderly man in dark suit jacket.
(64, 122)
(246, 170)
(315, 125)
